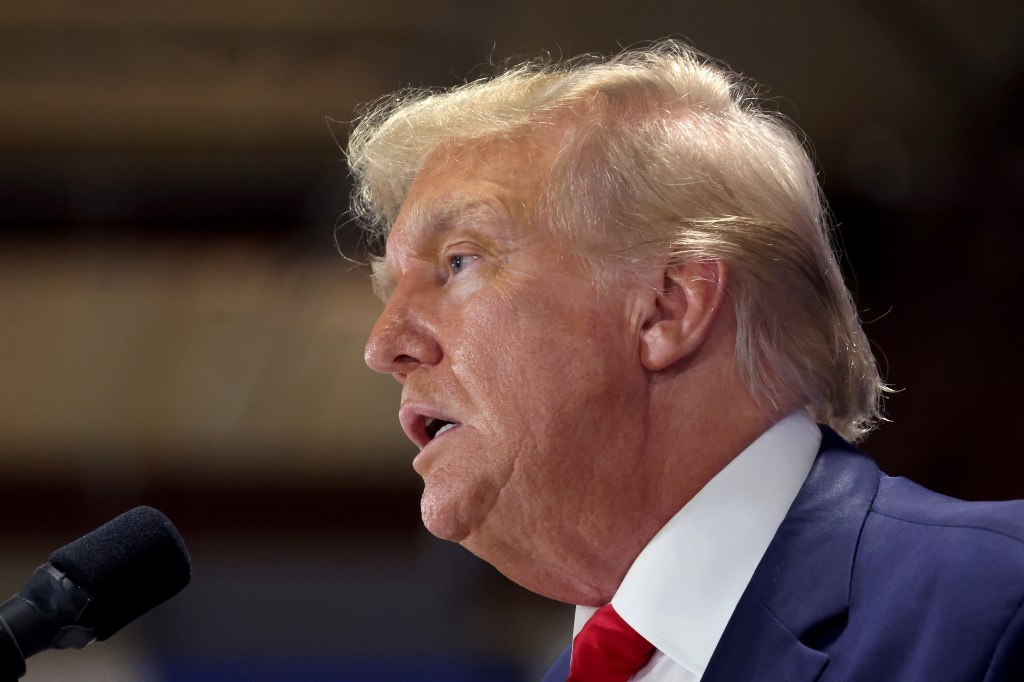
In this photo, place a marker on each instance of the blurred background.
(182, 316)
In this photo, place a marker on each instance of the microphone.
(93, 587)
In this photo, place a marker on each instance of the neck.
(700, 417)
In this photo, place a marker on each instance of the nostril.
(400, 344)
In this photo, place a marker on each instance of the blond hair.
(664, 151)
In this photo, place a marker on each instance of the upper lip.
(414, 418)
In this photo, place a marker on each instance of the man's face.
(521, 380)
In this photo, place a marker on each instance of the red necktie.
(607, 649)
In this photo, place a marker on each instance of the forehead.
(514, 167)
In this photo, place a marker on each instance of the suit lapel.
(797, 600)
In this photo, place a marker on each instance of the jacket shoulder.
(936, 590)
(904, 502)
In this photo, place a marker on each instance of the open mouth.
(435, 427)
(423, 423)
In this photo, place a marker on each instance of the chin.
(453, 507)
(442, 520)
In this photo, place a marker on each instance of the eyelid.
(463, 248)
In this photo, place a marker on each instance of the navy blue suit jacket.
(871, 578)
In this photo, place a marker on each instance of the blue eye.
(458, 262)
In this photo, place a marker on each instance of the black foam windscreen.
(128, 566)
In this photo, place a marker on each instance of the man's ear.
(683, 312)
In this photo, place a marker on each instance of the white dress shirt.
(683, 587)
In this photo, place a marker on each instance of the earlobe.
(683, 313)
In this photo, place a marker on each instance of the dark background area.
(178, 328)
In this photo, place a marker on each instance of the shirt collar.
(683, 587)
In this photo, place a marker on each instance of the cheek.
(504, 354)
(557, 378)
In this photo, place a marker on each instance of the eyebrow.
(383, 282)
(427, 221)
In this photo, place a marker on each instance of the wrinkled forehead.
(466, 178)
(423, 218)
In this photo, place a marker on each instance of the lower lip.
(420, 462)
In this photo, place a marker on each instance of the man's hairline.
(535, 129)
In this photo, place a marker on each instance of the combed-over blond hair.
(664, 151)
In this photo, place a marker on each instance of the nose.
(403, 338)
